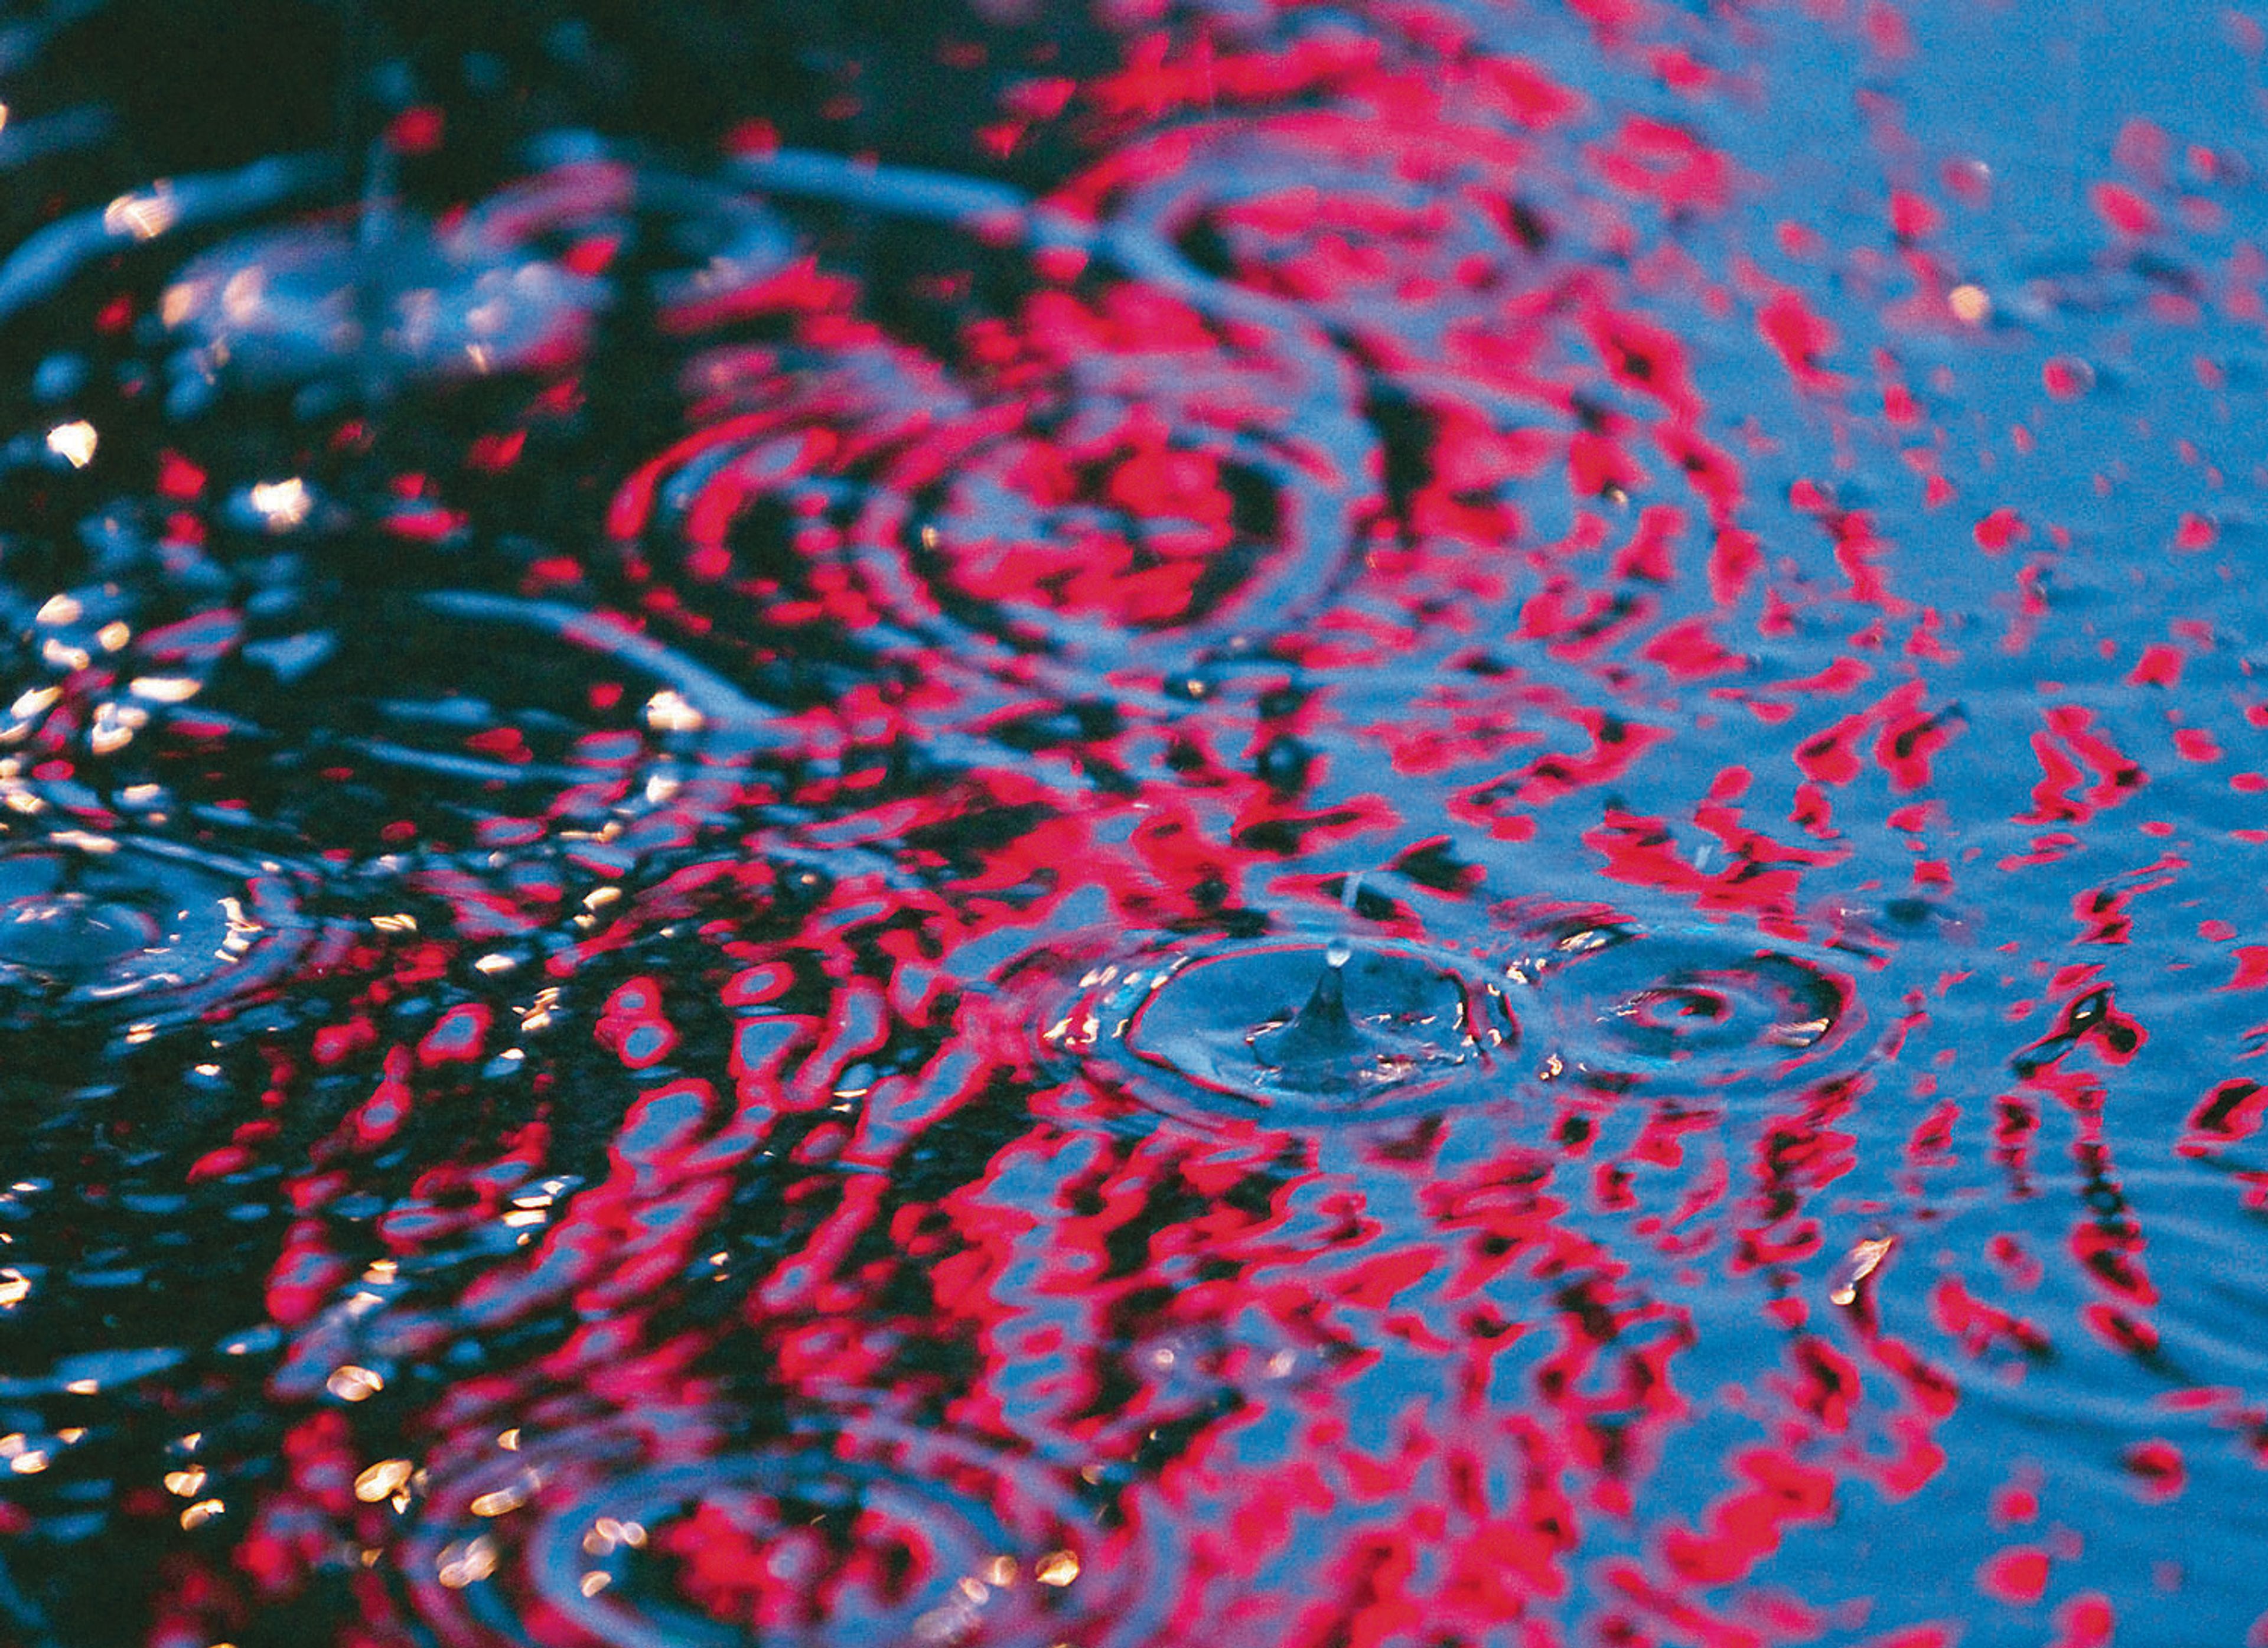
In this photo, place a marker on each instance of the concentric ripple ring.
(1691, 1009)
(1297, 1031)
(123, 928)
(882, 1538)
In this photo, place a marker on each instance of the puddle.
(1131, 826)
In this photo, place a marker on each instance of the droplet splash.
(96, 927)
(1296, 1032)
(390, 297)
(883, 1537)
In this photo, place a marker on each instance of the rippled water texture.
(1135, 824)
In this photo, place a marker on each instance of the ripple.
(1114, 474)
(115, 928)
(1302, 1032)
(1633, 1007)
(451, 706)
(882, 1538)
(514, 283)
(290, 304)
(1400, 229)
(35, 269)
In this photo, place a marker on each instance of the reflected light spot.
(618, 1533)
(351, 1383)
(241, 298)
(1860, 1263)
(668, 712)
(382, 1481)
(204, 1511)
(76, 442)
(186, 1483)
(142, 217)
(282, 504)
(114, 727)
(467, 1563)
(1971, 305)
(15, 1288)
(164, 688)
(1057, 1568)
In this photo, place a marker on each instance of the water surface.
(1396, 824)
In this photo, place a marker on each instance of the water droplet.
(395, 295)
(2067, 377)
(1301, 1033)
